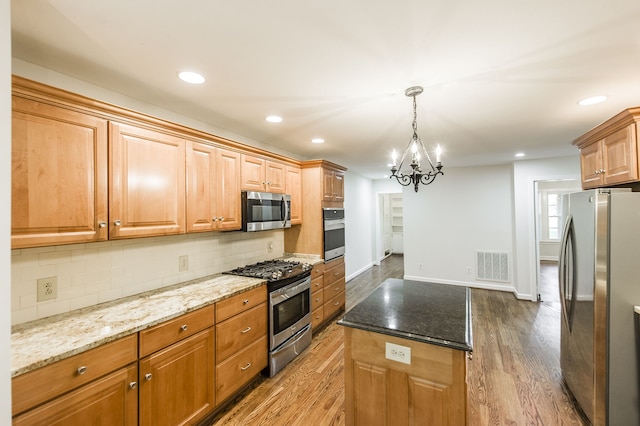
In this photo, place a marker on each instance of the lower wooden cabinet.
(328, 291)
(176, 383)
(431, 390)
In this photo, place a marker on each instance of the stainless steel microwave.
(262, 211)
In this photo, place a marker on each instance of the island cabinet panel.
(213, 188)
(59, 175)
(430, 390)
(177, 383)
(146, 183)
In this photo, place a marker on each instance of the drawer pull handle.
(245, 367)
(336, 273)
(245, 301)
(246, 330)
(147, 376)
(183, 327)
(336, 304)
(133, 385)
(336, 289)
(82, 370)
(102, 224)
(117, 223)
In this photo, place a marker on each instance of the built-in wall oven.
(333, 221)
(289, 298)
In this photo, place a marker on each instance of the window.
(553, 216)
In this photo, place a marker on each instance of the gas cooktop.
(272, 270)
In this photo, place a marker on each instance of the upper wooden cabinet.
(293, 187)
(213, 188)
(146, 183)
(332, 185)
(609, 152)
(259, 174)
(59, 175)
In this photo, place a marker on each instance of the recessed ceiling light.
(274, 119)
(592, 100)
(317, 140)
(191, 77)
(520, 154)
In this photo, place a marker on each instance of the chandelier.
(416, 176)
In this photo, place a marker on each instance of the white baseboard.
(361, 270)
(474, 284)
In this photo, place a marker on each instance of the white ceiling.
(500, 76)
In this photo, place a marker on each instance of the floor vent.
(492, 266)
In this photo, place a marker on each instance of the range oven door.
(289, 311)
(262, 211)
(333, 220)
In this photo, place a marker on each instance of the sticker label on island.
(398, 353)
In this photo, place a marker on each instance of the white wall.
(465, 210)
(525, 174)
(5, 211)
(359, 208)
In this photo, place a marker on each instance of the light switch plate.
(398, 353)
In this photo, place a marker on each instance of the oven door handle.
(285, 293)
(330, 225)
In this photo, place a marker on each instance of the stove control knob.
(306, 266)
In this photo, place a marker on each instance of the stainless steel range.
(289, 288)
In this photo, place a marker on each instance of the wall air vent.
(492, 266)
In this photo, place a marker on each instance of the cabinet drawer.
(163, 335)
(317, 317)
(333, 271)
(238, 370)
(317, 299)
(317, 283)
(35, 387)
(333, 289)
(332, 306)
(318, 270)
(240, 303)
(236, 333)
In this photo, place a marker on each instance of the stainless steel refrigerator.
(599, 273)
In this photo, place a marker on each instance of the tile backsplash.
(92, 273)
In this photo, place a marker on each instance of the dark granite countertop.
(439, 314)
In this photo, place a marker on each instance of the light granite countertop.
(42, 342)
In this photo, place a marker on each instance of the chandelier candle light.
(415, 176)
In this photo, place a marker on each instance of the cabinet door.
(293, 187)
(619, 156)
(590, 165)
(147, 182)
(253, 173)
(111, 400)
(338, 186)
(177, 383)
(228, 188)
(275, 177)
(59, 176)
(327, 185)
(201, 187)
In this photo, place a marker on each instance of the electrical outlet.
(183, 262)
(398, 353)
(270, 246)
(468, 269)
(47, 288)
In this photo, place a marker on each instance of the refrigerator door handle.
(566, 272)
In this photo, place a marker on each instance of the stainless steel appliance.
(262, 211)
(599, 274)
(333, 226)
(289, 288)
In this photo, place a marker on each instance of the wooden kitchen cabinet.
(334, 288)
(86, 388)
(146, 182)
(241, 340)
(260, 174)
(431, 390)
(293, 187)
(609, 152)
(213, 188)
(59, 175)
(332, 185)
(317, 296)
(177, 381)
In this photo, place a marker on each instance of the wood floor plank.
(513, 379)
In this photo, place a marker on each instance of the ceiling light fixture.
(520, 154)
(415, 176)
(274, 119)
(317, 140)
(592, 100)
(191, 77)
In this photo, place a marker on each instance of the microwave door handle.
(284, 210)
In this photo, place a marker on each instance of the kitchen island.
(405, 352)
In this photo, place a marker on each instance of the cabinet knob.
(147, 376)
(470, 355)
(133, 385)
(246, 330)
(336, 304)
(221, 218)
(214, 219)
(183, 327)
(117, 223)
(245, 367)
(102, 224)
(82, 370)
(245, 301)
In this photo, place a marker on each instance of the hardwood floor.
(514, 377)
